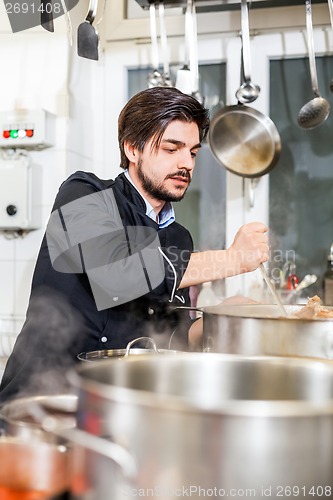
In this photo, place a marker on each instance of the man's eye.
(194, 155)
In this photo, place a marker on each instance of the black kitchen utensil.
(46, 15)
(87, 37)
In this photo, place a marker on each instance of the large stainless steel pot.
(215, 425)
(260, 330)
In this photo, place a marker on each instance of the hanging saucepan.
(242, 139)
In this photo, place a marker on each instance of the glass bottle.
(328, 280)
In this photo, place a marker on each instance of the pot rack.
(225, 5)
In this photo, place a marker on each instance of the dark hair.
(148, 113)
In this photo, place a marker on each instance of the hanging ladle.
(184, 75)
(155, 79)
(316, 111)
(330, 6)
(167, 82)
(248, 91)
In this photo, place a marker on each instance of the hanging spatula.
(46, 15)
(87, 37)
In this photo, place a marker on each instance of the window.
(301, 186)
(203, 208)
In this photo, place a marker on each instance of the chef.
(114, 263)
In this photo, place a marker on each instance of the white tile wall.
(35, 77)
(6, 249)
(7, 287)
(53, 162)
(42, 73)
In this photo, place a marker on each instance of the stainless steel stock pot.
(260, 330)
(209, 424)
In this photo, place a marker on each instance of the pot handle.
(132, 342)
(102, 446)
(188, 308)
(94, 443)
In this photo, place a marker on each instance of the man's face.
(166, 173)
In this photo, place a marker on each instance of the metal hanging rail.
(220, 5)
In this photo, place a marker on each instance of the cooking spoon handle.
(245, 41)
(330, 7)
(153, 36)
(272, 289)
(312, 60)
(164, 41)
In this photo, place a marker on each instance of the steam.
(46, 348)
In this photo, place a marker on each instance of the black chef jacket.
(69, 312)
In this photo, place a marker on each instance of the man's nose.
(186, 161)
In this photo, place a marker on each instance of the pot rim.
(226, 408)
(13, 413)
(107, 354)
(241, 309)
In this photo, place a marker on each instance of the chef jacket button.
(151, 311)
(104, 339)
(115, 299)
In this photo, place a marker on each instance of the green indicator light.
(14, 134)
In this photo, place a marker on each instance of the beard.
(157, 190)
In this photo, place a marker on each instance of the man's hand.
(249, 248)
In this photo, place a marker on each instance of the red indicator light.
(6, 134)
(29, 132)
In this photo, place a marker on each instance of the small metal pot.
(33, 469)
(17, 417)
(255, 330)
(34, 461)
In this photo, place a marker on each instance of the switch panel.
(27, 129)
(20, 195)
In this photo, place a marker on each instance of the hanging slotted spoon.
(330, 6)
(316, 111)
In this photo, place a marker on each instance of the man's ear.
(131, 152)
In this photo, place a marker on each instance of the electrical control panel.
(20, 194)
(27, 129)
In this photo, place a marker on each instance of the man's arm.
(248, 250)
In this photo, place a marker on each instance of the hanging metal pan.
(244, 141)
